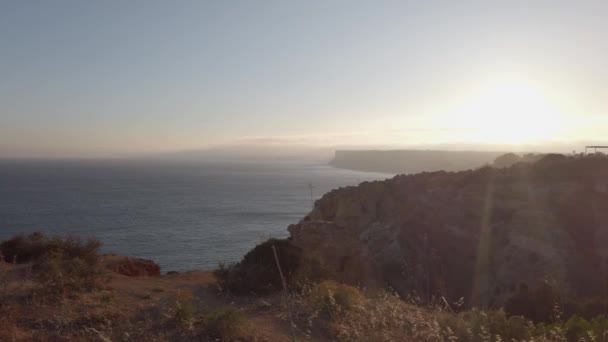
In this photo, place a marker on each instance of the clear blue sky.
(100, 78)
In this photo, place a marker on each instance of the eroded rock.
(474, 234)
(132, 267)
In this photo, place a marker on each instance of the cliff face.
(473, 234)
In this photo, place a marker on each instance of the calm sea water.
(183, 215)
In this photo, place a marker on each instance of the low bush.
(61, 266)
(334, 298)
(33, 247)
(538, 305)
(59, 275)
(576, 328)
(257, 272)
(22, 248)
(225, 324)
(185, 310)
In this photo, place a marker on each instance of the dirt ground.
(130, 309)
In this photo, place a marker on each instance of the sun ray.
(481, 276)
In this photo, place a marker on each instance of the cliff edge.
(479, 234)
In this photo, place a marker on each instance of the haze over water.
(201, 80)
(183, 215)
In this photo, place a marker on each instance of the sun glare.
(511, 111)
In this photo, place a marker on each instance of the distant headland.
(411, 161)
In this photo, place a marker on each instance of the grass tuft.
(257, 272)
(225, 323)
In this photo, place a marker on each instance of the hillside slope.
(478, 234)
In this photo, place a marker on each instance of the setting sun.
(303, 170)
(508, 110)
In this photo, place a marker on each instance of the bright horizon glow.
(509, 111)
(128, 78)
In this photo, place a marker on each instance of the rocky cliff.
(476, 234)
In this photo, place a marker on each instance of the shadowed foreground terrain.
(493, 254)
(70, 293)
(483, 234)
(91, 297)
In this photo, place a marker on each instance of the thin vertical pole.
(428, 267)
(604, 283)
(276, 259)
(312, 201)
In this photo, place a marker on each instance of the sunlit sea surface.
(183, 215)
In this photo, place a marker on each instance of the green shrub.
(21, 248)
(224, 324)
(258, 273)
(33, 247)
(482, 325)
(576, 327)
(61, 266)
(334, 298)
(107, 297)
(538, 305)
(185, 310)
(59, 274)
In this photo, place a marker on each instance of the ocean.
(183, 215)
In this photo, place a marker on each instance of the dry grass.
(187, 307)
(338, 312)
(225, 323)
(168, 308)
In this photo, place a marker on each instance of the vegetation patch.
(61, 266)
(36, 246)
(334, 298)
(258, 272)
(224, 324)
(59, 275)
(185, 310)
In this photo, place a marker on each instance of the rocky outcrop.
(132, 267)
(473, 234)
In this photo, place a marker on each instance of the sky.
(118, 78)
